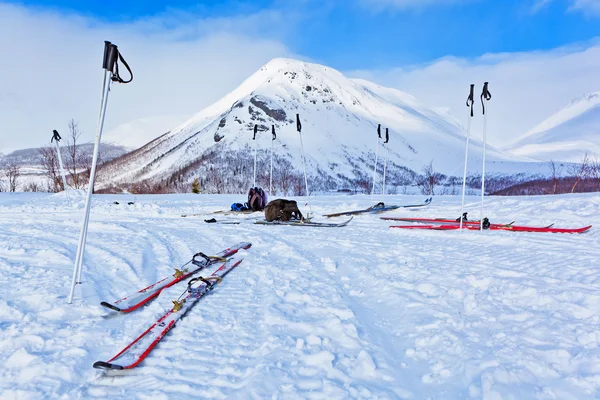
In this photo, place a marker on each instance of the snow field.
(356, 312)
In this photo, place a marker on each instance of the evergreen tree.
(196, 186)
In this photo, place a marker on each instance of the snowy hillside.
(135, 134)
(361, 312)
(339, 118)
(33, 172)
(566, 135)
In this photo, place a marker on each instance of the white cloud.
(51, 68)
(587, 6)
(526, 87)
(410, 4)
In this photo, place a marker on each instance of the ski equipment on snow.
(255, 146)
(271, 173)
(387, 139)
(135, 352)
(200, 260)
(485, 96)
(110, 64)
(56, 139)
(306, 223)
(496, 227)
(299, 129)
(379, 208)
(470, 103)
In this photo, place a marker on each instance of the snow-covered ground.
(355, 312)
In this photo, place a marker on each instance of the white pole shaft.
(384, 169)
(62, 171)
(255, 147)
(271, 173)
(464, 183)
(483, 169)
(305, 178)
(83, 233)
(375, 168)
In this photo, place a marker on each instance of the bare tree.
(579, 171)
(49, 161)
(12, 171)
(429, 180)
(78, 164)
(594, 172)
(32, 186)
(556, 170)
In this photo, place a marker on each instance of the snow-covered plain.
(355, 312)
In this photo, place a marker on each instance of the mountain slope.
(339, 118)
(565, 135)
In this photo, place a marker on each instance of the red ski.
(141, 297)
(496, 227)
(136, 351)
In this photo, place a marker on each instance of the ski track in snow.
(357, 312)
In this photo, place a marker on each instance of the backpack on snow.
(283, 210)
(239, 207)
(257, 199)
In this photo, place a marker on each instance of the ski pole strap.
(55, 136)
(112, 56)
(273, 132)
(379, 130)
(387, 135)
(485, 95)
(298, 124)
(471, 98)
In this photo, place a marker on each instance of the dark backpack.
(257, 199)
(282, 210)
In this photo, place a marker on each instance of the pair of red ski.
(443, 224)
(135, 352)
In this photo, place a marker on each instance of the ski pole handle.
(471, 98)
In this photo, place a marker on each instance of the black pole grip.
(107, 47)
(113, 55)
(387, 135)
(273, 132)
(485, 95)
(255, 130)
(379, 130)
(55, 136)
(471, 98)
(298, 124)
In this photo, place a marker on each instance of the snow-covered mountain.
(565, 135)
(135, 134)
(339, 118)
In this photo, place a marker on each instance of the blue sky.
(537, 55)
(364, 34)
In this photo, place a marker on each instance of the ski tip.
(107, 366)
(111, 306)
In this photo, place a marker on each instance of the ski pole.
(111, 73)
(56, 138)
(299, 128)
(271, 173)
(375, 166)
(470, 103)
(387, 139)
(485, 97)
(255, 145)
